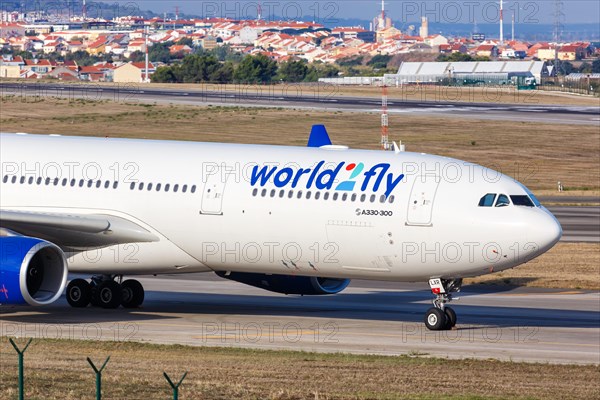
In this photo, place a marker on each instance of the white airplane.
(292, 220)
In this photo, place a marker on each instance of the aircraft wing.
(75, 232)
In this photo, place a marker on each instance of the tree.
(458, 56)
(596, 67)
(379, 61)
(350, 61)
(256, 69)
(159, 52)
(293, 71)
(186, 42)
(164, 75)
(585, 68)
(224, 74)
(137, 56)
(326, 70)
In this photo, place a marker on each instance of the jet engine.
(32, 271)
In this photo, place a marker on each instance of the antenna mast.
(501, 22)
(385, 145)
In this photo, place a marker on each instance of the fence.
(583, 85)
(97, 372)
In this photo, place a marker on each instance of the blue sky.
(463, 11)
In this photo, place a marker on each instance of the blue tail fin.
(319, 137)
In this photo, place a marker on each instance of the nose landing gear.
(440, 316)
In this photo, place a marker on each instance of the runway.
(525, 324)
(323, 98)
(580, 224)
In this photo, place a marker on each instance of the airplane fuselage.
(326, 212)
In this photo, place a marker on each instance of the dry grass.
(536, 154)
(58, 370)
(567, 265)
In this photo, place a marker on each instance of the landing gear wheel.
(79, 293)
(451, 317)
(132, 294)
(435, 319)
(108, 294)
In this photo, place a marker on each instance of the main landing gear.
(441, 317)
(106, 291)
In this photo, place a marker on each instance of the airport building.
(469, 73)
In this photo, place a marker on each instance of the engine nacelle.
(32, 271)
(288, 284)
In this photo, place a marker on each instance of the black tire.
(79, 293)
(108, 294)
(451, 317)
(94, 291)
(132, 294)
(435, 319)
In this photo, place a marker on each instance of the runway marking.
(542, 294)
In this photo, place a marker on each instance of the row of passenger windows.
(167, 187)
(502, 200)
(158, 187)
(60, 182)
(318, 195)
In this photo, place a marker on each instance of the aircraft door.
(214, 190)
(420, 205)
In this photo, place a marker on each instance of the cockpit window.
(502, 201)
(536, 202)
(522, 200)
(487, 200)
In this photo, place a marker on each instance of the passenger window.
(176, 188)
(149, 187)
(263, 193)
(5, 179)
(363, 197)
(353, 196)
(185, 187)
(487, 200)
(308, 194)
(194, 189)
(254, 192)
(317, 195)
(392, 199)
(502, 201)
(326, 196)
(281, 194)
(167, 187)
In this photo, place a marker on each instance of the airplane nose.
(546, 232)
